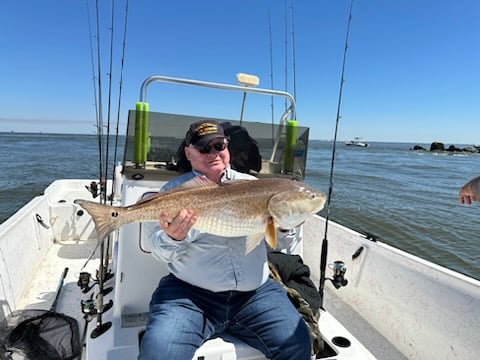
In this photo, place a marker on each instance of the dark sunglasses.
(218, 146)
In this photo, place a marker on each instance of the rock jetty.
(440, 147)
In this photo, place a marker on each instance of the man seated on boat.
(222, 289)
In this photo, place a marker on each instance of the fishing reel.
(90, 308)
(339, 269)
(94, 308)
(84, 281)
(97, 188)
(93, 189)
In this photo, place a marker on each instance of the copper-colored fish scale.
(231, 210)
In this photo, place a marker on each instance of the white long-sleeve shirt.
(213, 262)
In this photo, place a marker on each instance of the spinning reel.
(339, 269)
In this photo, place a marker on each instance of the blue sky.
(412, 71)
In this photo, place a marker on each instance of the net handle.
(59, 289)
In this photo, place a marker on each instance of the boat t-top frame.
(149, 134)
(246, 89)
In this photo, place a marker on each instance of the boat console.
(152, 158)
(156, 157)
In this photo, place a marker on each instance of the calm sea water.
(406, 198)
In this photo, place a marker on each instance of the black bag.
(244, 153)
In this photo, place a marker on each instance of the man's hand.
(470, 191)
(178, 228)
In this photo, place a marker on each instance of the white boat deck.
(360, 329)
(41, 292)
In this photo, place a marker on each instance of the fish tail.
(105, 217)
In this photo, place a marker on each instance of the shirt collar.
(227, 174)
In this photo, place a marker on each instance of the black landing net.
(40, 334)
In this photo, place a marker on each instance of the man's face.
(211, 163)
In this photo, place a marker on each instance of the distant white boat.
(356, 142)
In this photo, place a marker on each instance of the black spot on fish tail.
(105, 217)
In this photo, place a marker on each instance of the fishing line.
(323, 258)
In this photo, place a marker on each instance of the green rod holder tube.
(141, 134)
(291, 141)
(145, 132)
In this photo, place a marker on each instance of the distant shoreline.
(411, 143)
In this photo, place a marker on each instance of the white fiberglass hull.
(424, 310)
(403, 306)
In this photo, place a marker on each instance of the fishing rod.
(293, 52)
(101, 327)
(323, 258)
(106, 259)
(107, 145)
(271, 77)
(286, 52)
(120, 86)
(92, 61)
(102, 276)
(114, 174)
(108, 274)
(104, 250)
(100, 106)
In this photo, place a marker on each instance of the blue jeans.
(183, 316)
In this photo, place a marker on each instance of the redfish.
(251, 208)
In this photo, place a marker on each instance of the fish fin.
(196, 182)
(149, 197)
(252, 241)
(235, 181)
(104, 216)
(271, 235)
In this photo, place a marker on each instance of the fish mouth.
(288, 210)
